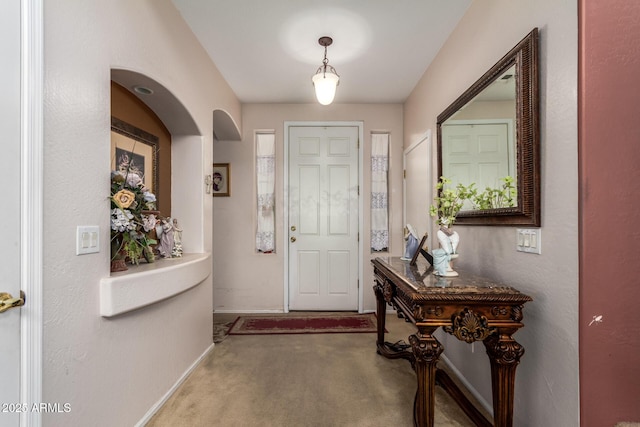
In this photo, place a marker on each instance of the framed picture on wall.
(221, 179)
(134, 150)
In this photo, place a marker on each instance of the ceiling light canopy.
(326, 78)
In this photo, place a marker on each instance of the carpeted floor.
(301, 380)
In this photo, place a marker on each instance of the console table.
(470, 307)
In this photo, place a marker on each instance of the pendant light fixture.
(326, 79)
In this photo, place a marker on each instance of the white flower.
(148, 222)
(134, 180)
(122, 220)
(149, 197)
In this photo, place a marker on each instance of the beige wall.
(247, 281)
(547, 379)
(113, 370)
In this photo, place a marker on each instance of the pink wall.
(609, 171)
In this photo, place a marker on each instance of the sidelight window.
(379, 192)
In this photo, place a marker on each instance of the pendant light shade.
(326, 78)
(325, 84)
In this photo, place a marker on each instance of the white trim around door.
(32, 123)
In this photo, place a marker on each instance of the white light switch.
(528, 240)
(87, 239)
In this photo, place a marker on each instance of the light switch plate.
(528, 240)
(87, 239)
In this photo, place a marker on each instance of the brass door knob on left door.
(293, 239)
(7, 301)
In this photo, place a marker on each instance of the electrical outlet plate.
(529, 240)
(87, 239)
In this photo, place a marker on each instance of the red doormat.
(307, 324)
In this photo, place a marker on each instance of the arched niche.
(224, 127)
(188, 168)
(149, 283)
(165, 104)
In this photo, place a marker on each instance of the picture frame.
(136, 150)
(221, 180)
(421, 251)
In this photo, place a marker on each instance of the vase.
(118, 265)
(448, 240)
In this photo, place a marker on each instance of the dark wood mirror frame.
(527, 212)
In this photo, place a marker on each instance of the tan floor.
(302, 380)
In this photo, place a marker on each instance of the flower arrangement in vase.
(448, 202)
(130, 220)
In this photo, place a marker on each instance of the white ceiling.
(267, 50)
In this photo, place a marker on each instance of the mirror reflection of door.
(479, 152)
(323, 218)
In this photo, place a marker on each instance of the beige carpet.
(302, 380)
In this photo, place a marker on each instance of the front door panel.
(323, 218)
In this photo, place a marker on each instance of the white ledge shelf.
(146, 284)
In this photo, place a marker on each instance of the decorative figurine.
(166, 239)
(412, 243)
(177, 240)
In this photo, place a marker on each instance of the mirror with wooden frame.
(491, 132)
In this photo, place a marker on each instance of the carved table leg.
(504, 353)
(381, 306)
(388, 350)
(426, 350)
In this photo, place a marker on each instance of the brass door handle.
(7, 301)
(293, 239)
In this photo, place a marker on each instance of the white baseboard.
(156, 407)
(486, 405)
(248, 311)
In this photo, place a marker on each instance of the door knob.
(293, 228)
(293, 239)
(7, 301)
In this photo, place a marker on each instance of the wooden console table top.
(420, 279)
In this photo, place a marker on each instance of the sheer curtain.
(265, 175)
(379, 191)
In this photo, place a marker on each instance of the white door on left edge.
(10, 216)
(323, 218)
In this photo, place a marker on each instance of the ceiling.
(267, 50)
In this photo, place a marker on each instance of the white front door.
(10, 162)
(323, 217)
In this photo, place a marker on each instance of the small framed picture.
(221, 180)
(134, 150)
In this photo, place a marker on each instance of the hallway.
(302, 380)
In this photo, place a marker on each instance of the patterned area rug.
(309, 324)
